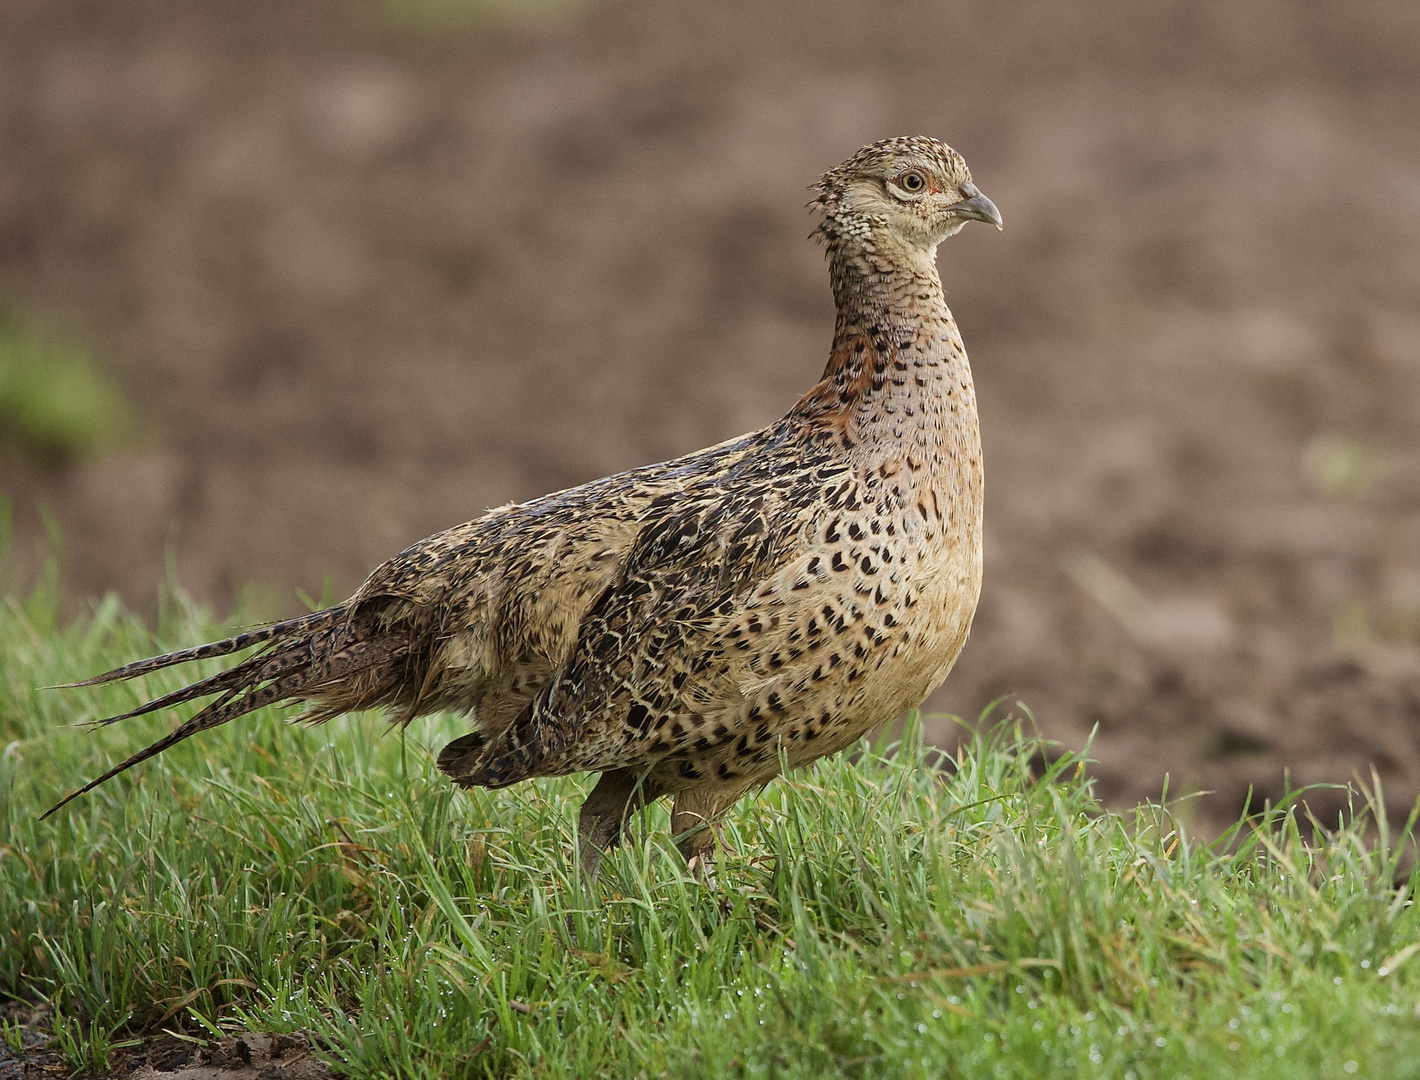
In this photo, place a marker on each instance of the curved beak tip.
(977, 207)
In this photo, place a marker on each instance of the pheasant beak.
(975, 205)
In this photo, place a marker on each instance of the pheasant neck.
(897, 378)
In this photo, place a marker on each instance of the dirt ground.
(363, 281)
(30, 1052)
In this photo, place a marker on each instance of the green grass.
(54, 401)
(897, 915)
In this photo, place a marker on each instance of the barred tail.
(236, 643)
(334, 657)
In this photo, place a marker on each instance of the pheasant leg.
(694, 820)
(618, 794)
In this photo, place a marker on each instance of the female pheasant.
(684, 627)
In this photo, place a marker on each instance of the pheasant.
(688, 628)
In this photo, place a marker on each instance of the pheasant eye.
(912, 182)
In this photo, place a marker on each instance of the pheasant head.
(910, 192)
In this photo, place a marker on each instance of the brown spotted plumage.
(684, 627)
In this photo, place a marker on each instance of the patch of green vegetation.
(1343, 468)
(55, 403)
(897, 915)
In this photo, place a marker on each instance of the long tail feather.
(218, 712)
(223, 680)
(236, 643)
(337, 660)
(228, 707)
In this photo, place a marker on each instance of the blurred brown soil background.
(363, 276)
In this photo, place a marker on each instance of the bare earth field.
(363, 281)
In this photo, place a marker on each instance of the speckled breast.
(860, 626)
